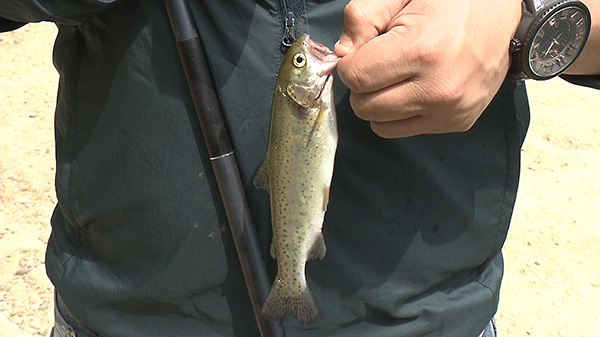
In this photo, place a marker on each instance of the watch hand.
(549, 48)
(555, 39)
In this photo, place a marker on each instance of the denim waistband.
(490, 330)
(64, 323)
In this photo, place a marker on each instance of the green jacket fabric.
(140, 244)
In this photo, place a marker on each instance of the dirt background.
(552, 282)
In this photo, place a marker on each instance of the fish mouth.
(327, 58)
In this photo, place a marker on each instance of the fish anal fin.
(318, 249)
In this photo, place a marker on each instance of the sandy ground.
(552, 282)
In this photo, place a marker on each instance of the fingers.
(424, 66)
(420, 124)
(380, 62)
(420, 110)
(378, 105)
(363, 21)
(399, 129)
(377, 48)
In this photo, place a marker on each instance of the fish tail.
(281, 302)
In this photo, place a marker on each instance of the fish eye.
(299, 60)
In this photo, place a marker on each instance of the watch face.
(558, 41)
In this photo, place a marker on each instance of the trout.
(297, 173)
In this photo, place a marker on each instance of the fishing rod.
(223, 160)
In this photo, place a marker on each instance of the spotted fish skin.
(297, 172)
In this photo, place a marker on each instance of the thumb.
(365, 20)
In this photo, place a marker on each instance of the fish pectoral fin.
(318, 249)
(325, 198)
(321, 116)
(319, 121)
(273, 251)
(261, 178)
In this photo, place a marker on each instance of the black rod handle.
(199, 78)
(223, 161)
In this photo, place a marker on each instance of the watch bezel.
(531, 22)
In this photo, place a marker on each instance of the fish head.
(305, 71)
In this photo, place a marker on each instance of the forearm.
(588, 62)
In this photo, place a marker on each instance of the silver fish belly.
(297, 172)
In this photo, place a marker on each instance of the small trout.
(297, 173)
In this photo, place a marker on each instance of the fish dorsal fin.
(261, 178)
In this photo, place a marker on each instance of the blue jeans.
(66, 326)
(64, 323)
(490, 330)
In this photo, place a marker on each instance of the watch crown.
(515, 45)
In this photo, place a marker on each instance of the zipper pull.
(288, 35)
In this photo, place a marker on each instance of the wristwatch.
(549, 38)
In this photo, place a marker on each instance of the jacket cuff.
(590, 81)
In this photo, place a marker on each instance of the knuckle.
(381, 130)
(444, 86)
(464, 125)
(430, 52)
(358, 107)
(448, 94)
(388, 130)
(353, 12)
(371, 108)
(461, 121)
(445, 90)
(470, 119)
(354, 77)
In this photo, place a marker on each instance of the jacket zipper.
(289, 18)
(288, 34)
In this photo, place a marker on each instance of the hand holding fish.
(425, 66)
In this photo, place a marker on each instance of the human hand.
(425, 66)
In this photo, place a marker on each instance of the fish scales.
(297, 173)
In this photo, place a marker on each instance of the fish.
(297, 173)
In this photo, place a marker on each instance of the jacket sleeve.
(8, 25)
(66, 12)
(590, 81)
